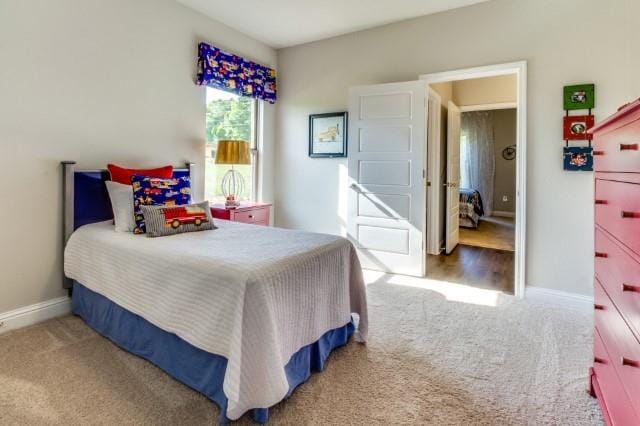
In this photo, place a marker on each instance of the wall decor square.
(328, 135)
(579, 96)
(578, 158)
(576, 126)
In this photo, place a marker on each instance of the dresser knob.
(603, 255)
(602, 202)
(599, 360)
(631, 288)
(630, 215)
(628, 147)
(250, 216)
(630, 362)
(597, 153)
(598, 307)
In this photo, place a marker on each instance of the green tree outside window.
(228, 117)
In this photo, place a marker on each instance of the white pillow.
(122, 204)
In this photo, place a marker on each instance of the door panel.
(385, 139)
(385, 172)
(381, 106)
(387, 203)
(384, 206)
(453, 178)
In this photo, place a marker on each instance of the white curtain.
(477, 158)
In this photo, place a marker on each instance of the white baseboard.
(29, 315)
(560, 298)
(499, 213)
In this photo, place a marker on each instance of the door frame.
(434, 121)
(520, 70)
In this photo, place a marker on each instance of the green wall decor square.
(579, 96)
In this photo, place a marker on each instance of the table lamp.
(232, 152)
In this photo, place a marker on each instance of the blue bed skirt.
(198, 369)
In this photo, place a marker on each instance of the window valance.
(235, 74)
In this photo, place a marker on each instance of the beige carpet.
(439, 353)
(492, 232)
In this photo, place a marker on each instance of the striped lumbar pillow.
(169, 220)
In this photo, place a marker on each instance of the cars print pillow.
(163, 220)
(151, 191)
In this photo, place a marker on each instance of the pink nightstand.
(247, 212)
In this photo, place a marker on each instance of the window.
(465, 152)
(230, 116)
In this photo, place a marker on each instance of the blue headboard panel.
(86, 199)
(91, 201)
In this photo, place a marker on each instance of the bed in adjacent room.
(242, 313)
(471, 208)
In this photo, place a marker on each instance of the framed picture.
(580, 96)
(328, 135)
(578, 158)
(576, 126)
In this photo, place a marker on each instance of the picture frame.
(578, 158)
(579, 96)
(328, 135)
(576, 126)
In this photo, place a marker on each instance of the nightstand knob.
(250, 216)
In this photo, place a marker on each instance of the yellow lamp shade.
(233, 152)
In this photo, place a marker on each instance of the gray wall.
(504, 133)
(96, 82)
(315, 78)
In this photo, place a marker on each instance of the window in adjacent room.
(230, 116)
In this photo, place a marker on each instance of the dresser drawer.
(258, 216)
(622, 347)
(617, 210)
(619, 409)
(619, 274)
(618, 150)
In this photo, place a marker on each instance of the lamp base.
(231, 203)
(232, 185)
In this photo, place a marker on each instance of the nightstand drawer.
(246, 212)
(257, 216)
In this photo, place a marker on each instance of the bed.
(471, 208)
(242, 314)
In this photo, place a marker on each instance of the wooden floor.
(492, 232)
(474, 266)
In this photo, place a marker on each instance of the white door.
(387, 203)
(453, 178)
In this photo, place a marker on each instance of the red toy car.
(174, 217)
(152, 191)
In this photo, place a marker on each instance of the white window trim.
(257, 106)
(256, 127)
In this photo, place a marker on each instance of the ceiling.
(284, 23)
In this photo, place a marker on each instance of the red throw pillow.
(122, 175)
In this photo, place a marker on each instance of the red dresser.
(615, 375)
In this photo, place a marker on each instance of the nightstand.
(247, 212)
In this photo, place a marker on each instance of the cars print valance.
(235, 74)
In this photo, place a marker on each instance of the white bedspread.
(252, 294)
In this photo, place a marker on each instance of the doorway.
(396, 172)
(476, 177)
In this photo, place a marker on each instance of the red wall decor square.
(576, 126)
